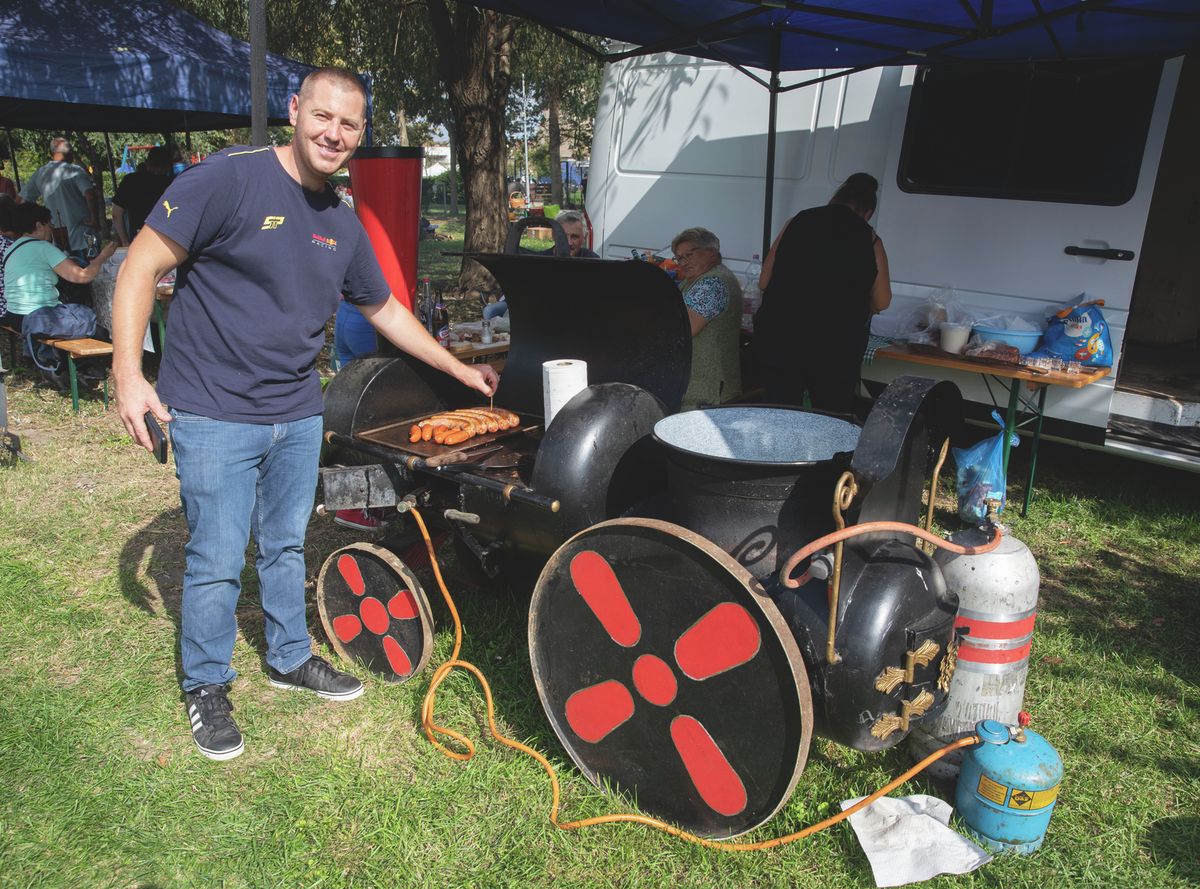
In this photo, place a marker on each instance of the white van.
(988, 177)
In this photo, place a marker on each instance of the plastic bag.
(923, 325)
(1078, 333)
(981, 475)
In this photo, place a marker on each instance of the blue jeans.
(496, 309)
(353, 335)
(237, 479)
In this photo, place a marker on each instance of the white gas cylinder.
(997, 604)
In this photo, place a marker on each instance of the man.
(574, 226)
(139, 192)
(263, 248)
(71, 197)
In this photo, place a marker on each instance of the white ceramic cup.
(954, 337)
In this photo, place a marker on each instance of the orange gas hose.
(432, 728)
(872, 527)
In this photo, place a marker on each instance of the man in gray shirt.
(70, 195)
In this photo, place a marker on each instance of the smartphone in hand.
(157, 437)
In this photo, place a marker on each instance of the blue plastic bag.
(1078, 333)
(981, 475)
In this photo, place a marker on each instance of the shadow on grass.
(1172, 841)
(161, 542)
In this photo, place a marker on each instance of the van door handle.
(1098, 253)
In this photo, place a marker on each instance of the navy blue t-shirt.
(266, 261)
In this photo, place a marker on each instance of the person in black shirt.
(138, 192)
(826, 275)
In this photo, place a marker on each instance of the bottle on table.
(425, 305)
(441, 323)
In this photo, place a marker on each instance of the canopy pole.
(258, 72)
(769, 197)
(12, 155)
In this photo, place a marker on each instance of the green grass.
(102, 786)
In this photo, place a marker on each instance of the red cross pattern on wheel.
(666, 671)
(374, 611)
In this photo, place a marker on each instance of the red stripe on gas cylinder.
(397, 658)
(374, 615)
(403, 605)
(716, 781)
(347, 627)
(594, 579)
(724, 638)
(348, 568)
(595, 711)
(998, 630)
(992, 655)
(654, 680)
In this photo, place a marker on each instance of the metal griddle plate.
(395, 435)
(626, 319)
(664, 668)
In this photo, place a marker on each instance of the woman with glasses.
(825, 276)
(714, 305)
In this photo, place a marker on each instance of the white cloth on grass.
(906, 840)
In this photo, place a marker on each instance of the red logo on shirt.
(322, 241)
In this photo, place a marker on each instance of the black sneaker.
(317, 675)
(213, 729)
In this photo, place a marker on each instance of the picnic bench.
(83, 347)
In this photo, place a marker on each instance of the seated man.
(714, 305)
(575, 227)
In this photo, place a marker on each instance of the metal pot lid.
(768, 435)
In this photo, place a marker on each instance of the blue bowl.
(1025, 340)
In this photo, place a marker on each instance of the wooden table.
(493, 353)
(1036, 381)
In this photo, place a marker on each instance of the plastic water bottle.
(751, 295)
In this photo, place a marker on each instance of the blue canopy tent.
(133, 66)
(775, 36)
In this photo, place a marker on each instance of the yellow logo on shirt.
(270, 223)
(167, 206)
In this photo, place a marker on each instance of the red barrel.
(386, 183)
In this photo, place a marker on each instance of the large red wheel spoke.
(347, 627)
(726, 637)
(715, 780)
(348, 568)
(397, 659)
(593, 712)
(403, 605)
(598, 585)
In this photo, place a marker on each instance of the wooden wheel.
(374, 611)
(665, 669)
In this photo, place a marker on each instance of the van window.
(1070, 132)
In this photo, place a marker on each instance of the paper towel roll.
(562, 380)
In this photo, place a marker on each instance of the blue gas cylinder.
(1007, 788)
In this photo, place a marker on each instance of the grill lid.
(626, 319)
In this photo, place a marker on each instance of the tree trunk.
(401, 123)
(555, 134)
(452, 179)
(474, 57)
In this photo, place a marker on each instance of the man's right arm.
(150, 257)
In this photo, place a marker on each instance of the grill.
(661, 636)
